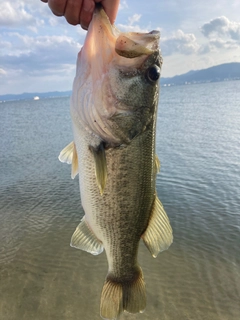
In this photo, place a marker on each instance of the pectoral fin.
(158, 236)
(69, 155)
(157, 164)
(83, 238)
(100, 166)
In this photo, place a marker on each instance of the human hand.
(81, 11)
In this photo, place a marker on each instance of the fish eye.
(153, 73)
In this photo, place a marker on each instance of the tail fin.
(123, 295)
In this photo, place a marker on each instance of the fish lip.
(155, 32)
(147, 42)
(99, 13)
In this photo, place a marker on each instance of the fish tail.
(120, 295)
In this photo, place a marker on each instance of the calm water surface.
(198, 143)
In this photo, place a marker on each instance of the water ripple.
(198, 278)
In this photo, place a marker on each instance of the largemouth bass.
(114, 111)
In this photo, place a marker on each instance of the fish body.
(114, 111)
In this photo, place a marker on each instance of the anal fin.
(83, 238)
(158, 235)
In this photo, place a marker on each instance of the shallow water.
(198, 143)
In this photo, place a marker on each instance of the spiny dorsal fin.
(158, 236)
(157, 164)
(100, 166)
(69, 155)
(83, 238)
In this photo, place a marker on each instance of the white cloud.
(42, 52)
(129, 28)
(17, 81)
(2, 72)
(5, 46)
(222, 34)
(222, 26)
(135, 18)
(14, 14)
(220, 43)
(179, 42)
(123, 5)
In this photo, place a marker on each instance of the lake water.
(198, 143)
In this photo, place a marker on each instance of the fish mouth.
(103, 36)
(111, 66)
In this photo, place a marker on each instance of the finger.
(86, 13)
(57, 6)
(111, 8)
(72, 11)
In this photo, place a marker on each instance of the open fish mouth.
(110, 64)
(130, 45)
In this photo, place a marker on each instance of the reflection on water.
(42, 277)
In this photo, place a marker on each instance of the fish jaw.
(107, 54)
(101, 34)
(92, 66)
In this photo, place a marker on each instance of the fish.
(113, 108)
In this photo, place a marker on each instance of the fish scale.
(114, 111)
(124, 209)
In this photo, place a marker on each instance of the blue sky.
(38, 50)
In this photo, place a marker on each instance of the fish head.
(116, 88)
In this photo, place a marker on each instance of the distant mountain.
(222, 72)
(29, 96)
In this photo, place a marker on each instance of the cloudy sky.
(38, 50)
